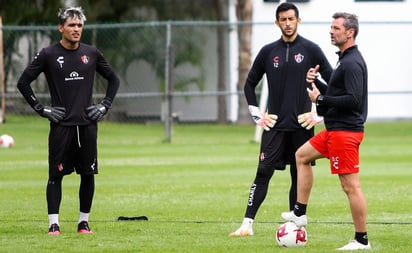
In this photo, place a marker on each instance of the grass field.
(194, 191)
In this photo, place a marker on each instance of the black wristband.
(106, 103)
(319, 100)
(38, 108)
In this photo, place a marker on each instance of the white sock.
(247, 222)
(84, 217)
(53, 218)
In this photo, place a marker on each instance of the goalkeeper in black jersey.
(285, 63)
(69, 67)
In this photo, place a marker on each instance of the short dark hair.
(285, 7)
(70, 12)
(350, 21)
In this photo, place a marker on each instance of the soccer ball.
(289, 235)
(6, 141)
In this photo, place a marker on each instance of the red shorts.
(341, 148)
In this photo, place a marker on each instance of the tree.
(244, 12)
(28, 12)
(222, 31)
(187, 49)
(24, 12)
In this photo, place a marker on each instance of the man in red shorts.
(343, 103)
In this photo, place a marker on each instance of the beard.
(287, 36)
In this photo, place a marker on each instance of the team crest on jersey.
(85, 59)
(276, 62)
(299, 58)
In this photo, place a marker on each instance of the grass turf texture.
(194, 191)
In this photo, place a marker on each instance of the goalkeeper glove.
(54, 114)
(97, 111)
(265, 120)
(310, 119)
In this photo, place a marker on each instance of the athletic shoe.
(300, 221)
(54, 229)
(242, 231)
(355, 245)
(84, 228)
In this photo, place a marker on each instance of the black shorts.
(278, 148)
(72, 148)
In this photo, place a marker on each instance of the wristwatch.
(319, 100)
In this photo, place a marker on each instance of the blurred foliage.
(120, 46)
(29, 12)
(40, 12)
(98, 10)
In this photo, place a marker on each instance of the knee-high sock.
(54, 194)
(86, 192)
(258, 191)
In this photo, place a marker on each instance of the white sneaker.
(300, 221)
(242, 231)
(355, 245)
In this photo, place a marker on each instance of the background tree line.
(43, 12)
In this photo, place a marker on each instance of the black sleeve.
(254, 77)
(352, 98)
(23, 84)
(30, 73)
(322, 87)
(325, 70)
(104, 69)
(250, 94)
(113, 86)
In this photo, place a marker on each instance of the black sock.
(86, 192)
(300, 209)
(54, 194)
(361, 237)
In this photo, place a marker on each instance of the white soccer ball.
(6, 141)
(289, 235)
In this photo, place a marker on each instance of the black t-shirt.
(285, 65)
(70, 76)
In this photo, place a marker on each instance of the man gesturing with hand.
(70, 67)
(285, 63)
(344, 105)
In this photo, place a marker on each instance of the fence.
(152, 60)
(169, 70)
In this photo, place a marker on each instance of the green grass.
(194, 191)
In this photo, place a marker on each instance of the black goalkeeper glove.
(54, 114)
(97, 111)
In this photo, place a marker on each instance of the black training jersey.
(285, 65)
(70, 75)
(345, 104)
